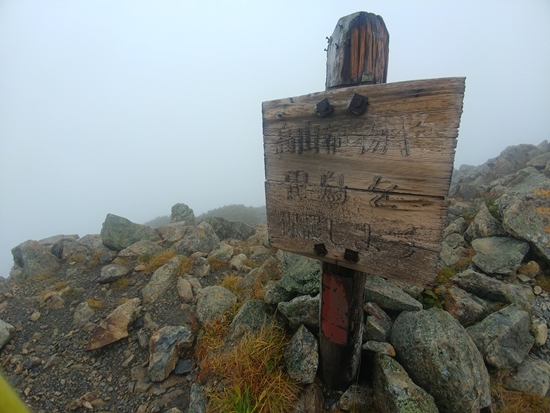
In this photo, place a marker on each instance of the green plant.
(239, 400)
(431, 298)
(491, 204)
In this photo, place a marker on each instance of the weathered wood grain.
(384, 173)
(358, 51)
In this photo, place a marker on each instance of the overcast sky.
(128, 107)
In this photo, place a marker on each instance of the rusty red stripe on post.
(335, 306)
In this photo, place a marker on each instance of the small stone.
(35, 316)
(537, 290)
(379, 347)
(523, 278)
(184, 366)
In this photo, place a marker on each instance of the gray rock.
(34, 259)
(494, 290)
(83, 314)
(141, 248)
(499, 255)
(226, 229)
(201, 238)
(540, 162)
(448, 255)
(201, 267)
(302, 356)
(484, 225)
(181, 212)
(184, 366)
(310, 400)
(454, 240)
(252, 316)
(111, 273)
(258, 253)
(301, 310)
(166, 345)
(222, 252)
(458, 226)
(503, 337)
(441, 358)
(465, 307)
(379, 347)
(395, 392)
(357, 398)
(213, 302)
(6, 333)
(118, 233)
(301, 275)
(95, 244)
(197, 399)
(524, 209)
(161, 280)
(185, 290)
(274, 294)
(377, 323)
(389, 296)
(70, 250)
(531, 376)
(50, 241)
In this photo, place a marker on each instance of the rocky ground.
(111, 322)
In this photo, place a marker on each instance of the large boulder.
(161, 280)
(301, 310)
(213, 302)
(388, 295)
(531, 376)
(226, 229)
(499, 255)
(441, 358)
(525, 211)
(503, 337)
(143, 247)
(301, 275)
(34, 259)
(395, 392)
(70, 250)
(165, 346)
(200, 238)
(118, 233)
(115, 326)
(484, 225)
(182, 213)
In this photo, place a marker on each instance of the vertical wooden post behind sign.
(357, 54)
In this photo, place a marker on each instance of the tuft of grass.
(250, 263)
(145, 258)
(44, 277)
(543, 281)
(158, 261)
(253, 374)
(491, 204)
(232, 283)
(72, 292)
(217, 264)
(516, 401)
(95, 303)
(121, 283)
(186, 265)
(61, 285)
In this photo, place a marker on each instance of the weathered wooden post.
(356, 176)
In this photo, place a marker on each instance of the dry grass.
(249, 263)
(121, 283)
(158, 260)
(61, 285)
(217, 264)
(186, 265)
(95, 303)
(543, 281)
(252, 374)
(517, 402)
(232, 283)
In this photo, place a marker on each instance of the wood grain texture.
(373, 183)
(358, 51)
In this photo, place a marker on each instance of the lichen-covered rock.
(182, 213)
(440, 357)
(302, 356)
(222, 252)
(301, 310)
(111, 273)
(213, 302)
(301, 275)
(251, 317)
(6, 332)
(484, 225)
(226, 229)
(357, 398)
(499, 255)
(161, 280)
(166, 345)
(118, 233)
(525, 212)
(395, 392)
(143, 247)
(34, 259)
(503, 337)
(388, 295)
(200, 238)
(70, 250)
(274, 294)
(531, 376)
(465, 307)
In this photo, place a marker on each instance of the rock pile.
(111, 322)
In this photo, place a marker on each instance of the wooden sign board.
(365, 191)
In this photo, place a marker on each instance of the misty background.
(130, 107)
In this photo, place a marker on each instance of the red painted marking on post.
(335, 306)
